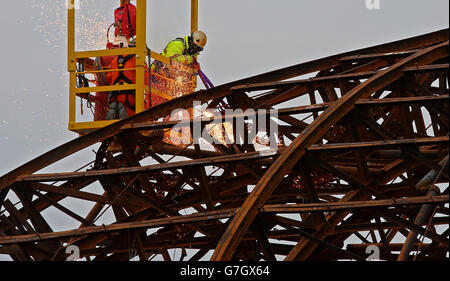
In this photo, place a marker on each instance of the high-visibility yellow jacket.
(177, 51)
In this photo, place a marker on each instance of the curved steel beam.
(283, 164)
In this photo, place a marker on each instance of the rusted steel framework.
(364, 160)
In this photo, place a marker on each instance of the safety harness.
(121, 79)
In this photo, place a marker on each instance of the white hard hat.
(199, 38)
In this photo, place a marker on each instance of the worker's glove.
(196, 66)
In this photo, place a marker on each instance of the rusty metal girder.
(369, 131)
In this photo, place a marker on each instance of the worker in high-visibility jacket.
(183, 50)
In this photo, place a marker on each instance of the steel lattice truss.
(369, 166)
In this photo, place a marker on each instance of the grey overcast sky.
(245, 37)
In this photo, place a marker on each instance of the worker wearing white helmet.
(184, 50)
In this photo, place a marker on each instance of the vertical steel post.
(194, 15)
(71, 61)
(194, 27)
(141, 53)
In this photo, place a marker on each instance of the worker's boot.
(112, 111)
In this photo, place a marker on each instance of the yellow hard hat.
(199, 38)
